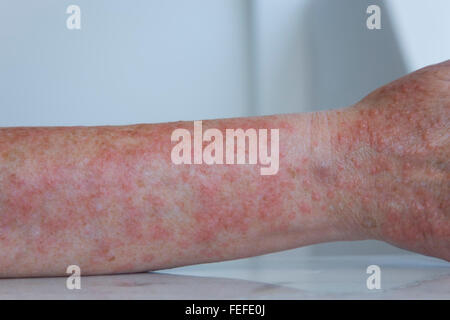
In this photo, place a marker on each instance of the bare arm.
(110, 200)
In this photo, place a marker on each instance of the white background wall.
(154, 61)
(132, 61)
(423, 30)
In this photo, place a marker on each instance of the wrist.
(342, 163)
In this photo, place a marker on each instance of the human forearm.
(109, 199)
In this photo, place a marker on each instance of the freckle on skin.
(369, 223)
(292, 172)
(356, 163)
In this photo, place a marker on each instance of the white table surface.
(275, 277)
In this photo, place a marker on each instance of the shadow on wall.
(348, 59)
(348, 62)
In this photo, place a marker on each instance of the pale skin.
(110, 200)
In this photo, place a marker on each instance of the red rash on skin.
(109, 199)
(315, 196)
(261, 198)
(403, 130)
